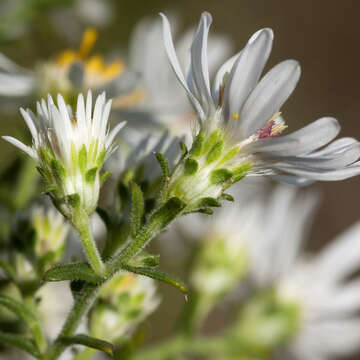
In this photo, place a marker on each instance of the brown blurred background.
(323, 35)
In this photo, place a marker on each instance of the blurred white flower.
(70, 151)
(242, 114)
(69, 73)
(162, 101)
(124, 302)
(51, 232)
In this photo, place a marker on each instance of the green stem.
(82, 224)
(182, 345)
(82, 304)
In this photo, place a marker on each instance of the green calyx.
(267, 322)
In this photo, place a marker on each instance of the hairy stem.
(82, 304)
(82, 224)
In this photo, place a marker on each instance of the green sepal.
(20, 342)
(190, 166)
(183, 149)
(157, 275)
(137, 208)
(211, 140)
(100, 159)
(49, 189)
(167, 213)
(90, 175)
(197, 145)
(83, 159)
(206, 211)
(104, 176)
(74, 271)
(209, 202)
(227, 197)
(73, 200)
(146, 260)
(163, 164)
(58, 169)
(88, 341)
(218, 177)
(215, 152)
(8, 269)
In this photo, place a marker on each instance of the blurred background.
(323, 35)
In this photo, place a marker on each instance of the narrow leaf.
(25, 314)
(157, 275)
(8, 269)
(20, 342)
(89, 341)
(183, 149)
(137, 208)
(163, 164)
(74, 271)
(167, 213)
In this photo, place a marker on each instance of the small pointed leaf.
(209, 202)
(90, 342)
(24, 313)
(163, 164)
(183, 149)
(74, 271)
(227, 197)
(20, 342)
(157, 275)
(8, 270)
(137, 208)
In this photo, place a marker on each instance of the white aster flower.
(316, 285)
(70, 150)
(240, 114)
(329, 303)
(70, 72)
(163, 102)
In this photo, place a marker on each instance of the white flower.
(329, 302)
(163, 101)
(51, 232)
(243, 112)
(70, 151)
(71, 72)
(127, 299)
(316, 285)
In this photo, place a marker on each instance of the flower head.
(70, 150)
(163, 102)
(51, 232)
(239, 117)
(125, 301)
(70, 72)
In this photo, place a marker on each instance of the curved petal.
(199, 63)
(246, 72)
(170, 50)
(302, 141)
(268, 96)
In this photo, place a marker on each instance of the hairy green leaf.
(89, 341)
(74, 271)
